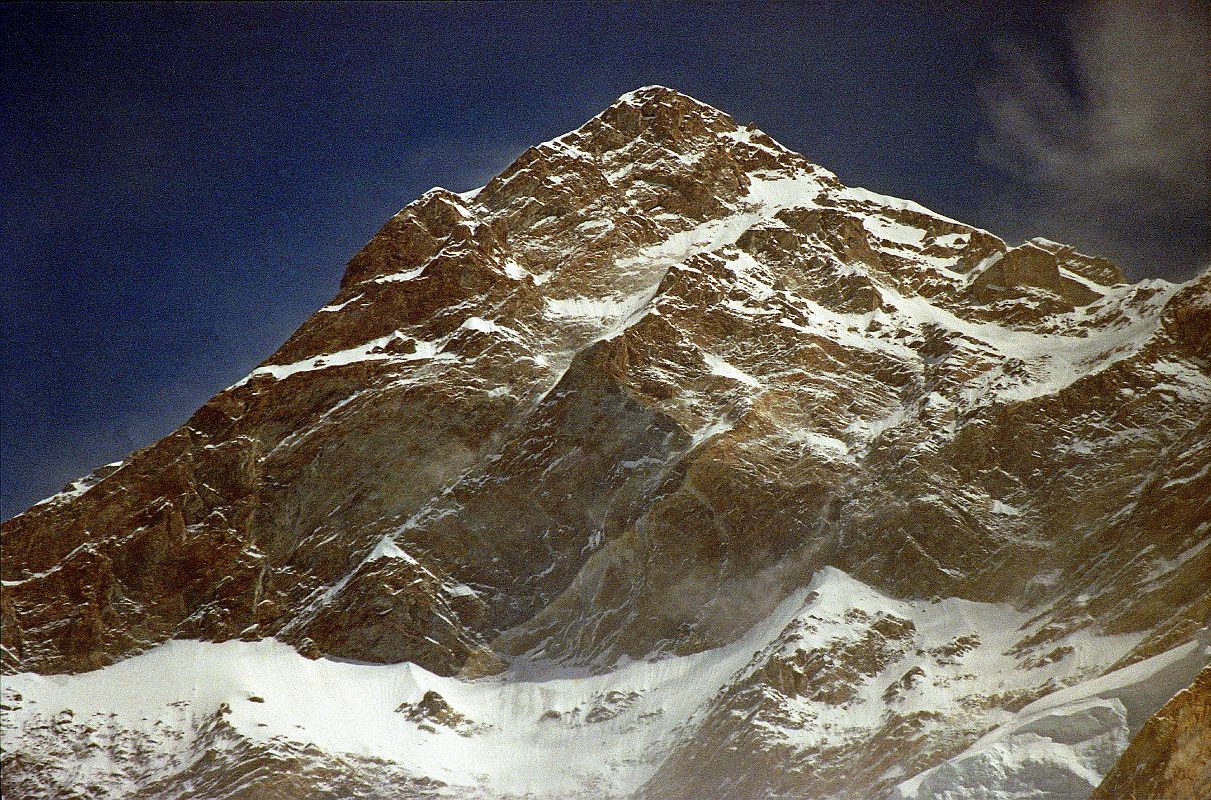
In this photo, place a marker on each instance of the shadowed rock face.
(619, 405)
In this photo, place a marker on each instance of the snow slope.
(565, 734)
(1062, 745)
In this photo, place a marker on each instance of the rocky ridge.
(661, 390)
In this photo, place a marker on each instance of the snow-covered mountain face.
(662, 466)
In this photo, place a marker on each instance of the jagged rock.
(1099, 270)
(1029, 266)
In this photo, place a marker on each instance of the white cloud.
(1113, 145)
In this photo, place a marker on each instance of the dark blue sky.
(183, 184)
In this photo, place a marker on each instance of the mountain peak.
(663, 399)
(655, 114)
(655, 94)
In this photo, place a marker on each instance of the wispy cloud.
(1111, 148)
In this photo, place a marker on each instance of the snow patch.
(720, 367)
(892, 231)
(368, 351)
(339, 306)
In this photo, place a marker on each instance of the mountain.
(664, 466)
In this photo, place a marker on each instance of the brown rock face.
(1171, 756)
(661, 396)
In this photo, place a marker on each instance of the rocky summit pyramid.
(665, 467)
